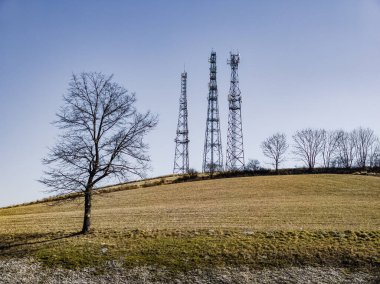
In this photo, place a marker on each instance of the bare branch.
(330, 147)
(363, 141)
(274, 148)
(345, 149)
(308, 145)
(102, 138)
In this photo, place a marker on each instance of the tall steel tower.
(212, 155)
(181, 156)
(235, 149)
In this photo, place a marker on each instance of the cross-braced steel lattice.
(212, 155)
(181, 156)
(235, 149)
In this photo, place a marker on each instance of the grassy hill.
(331, 220)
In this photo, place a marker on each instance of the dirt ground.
(26, 271)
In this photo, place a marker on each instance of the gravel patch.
(27, 271)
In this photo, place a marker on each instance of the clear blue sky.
(303, 64)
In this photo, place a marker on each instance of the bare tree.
(329, 147)
(274, 148)
(363, 139)
(346, 149)
(102, 139)
(253, 165)
(308, 145)
(374, 154)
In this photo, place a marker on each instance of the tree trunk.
(87, 211)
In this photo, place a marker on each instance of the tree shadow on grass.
(22, 244)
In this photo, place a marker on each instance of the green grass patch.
(180, 251)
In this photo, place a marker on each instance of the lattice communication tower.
(181, 156)
(212, 155)
(235, 149)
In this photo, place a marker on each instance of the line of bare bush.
(359, 148)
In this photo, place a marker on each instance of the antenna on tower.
(181, 156)
(235, 149)
(212, 155)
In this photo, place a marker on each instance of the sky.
(303, 64)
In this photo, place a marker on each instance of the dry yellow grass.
(330, 220)
(302, 202)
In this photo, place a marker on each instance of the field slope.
(313, 220)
